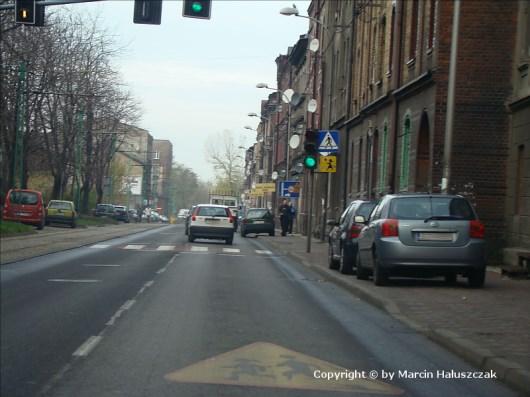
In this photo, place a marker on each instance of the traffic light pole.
(311, 178)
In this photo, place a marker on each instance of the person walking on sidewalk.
(292, 216)
(285, 214)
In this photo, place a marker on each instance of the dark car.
(187, 221)
(133, 215)
(121, 213)
(422, 235)
(26, 206)
(104, 210)
(257, 220)
(342, 240)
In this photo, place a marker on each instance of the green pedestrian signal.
(197, 9)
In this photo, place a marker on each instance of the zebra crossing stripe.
(231, 250)
(198, 249)
(100, 246)
(133, 247)
(263, 252)
(166, 248)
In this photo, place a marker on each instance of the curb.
(507, 371)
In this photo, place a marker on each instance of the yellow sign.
(266, 187)
(327, 164)
(256, 192)
(267, 365)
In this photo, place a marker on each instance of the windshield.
(426, 207)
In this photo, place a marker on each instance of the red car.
(26, 206)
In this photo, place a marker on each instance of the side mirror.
(359, 219)
(332, 222)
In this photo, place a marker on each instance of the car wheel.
(450, 278)
(46, 223)
(243, 233)
(191, 238)
(380, 275)
(361, 272)
(229, 241)
(476, 278)
(73, 225)
(332, 262)
(271, 233)
(40, 226)
(345, 266)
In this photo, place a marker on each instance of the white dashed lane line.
(63, 280)
(87, 347)
(99, 265)
(133, 247)
(100, 246)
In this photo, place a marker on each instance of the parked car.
(104, 210)
(133, 215)
(257, 220)
(211, 221)
(155, 216)
(342, 239)
(422, 235)
(26, 206)
(61, 211)
(121, 213)
(164, 219)
(187, 221)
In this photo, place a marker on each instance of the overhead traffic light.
(27, 12)
(148, 12)
(311, 149)
(197, 9)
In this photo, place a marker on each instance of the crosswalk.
(184, 248)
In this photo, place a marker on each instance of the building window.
(432, 14)
(413, 29)
(392, 27)
(405, 148)
(359, 165)
(383, 158)
(381, 50)
(519, 177)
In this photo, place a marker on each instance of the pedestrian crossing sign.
(327, 164)
(328, 142)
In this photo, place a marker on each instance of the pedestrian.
(284, 211)
(292, 216)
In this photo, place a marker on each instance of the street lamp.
(287, 96)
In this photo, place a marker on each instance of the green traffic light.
(196, 7)
(310, 162)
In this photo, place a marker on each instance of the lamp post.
(287, 99)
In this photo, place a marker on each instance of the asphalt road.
(154, 315)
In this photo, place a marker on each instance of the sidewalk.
(54, 239)
(489, 327)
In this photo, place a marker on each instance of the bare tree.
(223, 153)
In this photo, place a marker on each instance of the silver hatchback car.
(422, 235)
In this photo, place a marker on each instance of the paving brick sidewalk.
(488, 327)
(49, 240)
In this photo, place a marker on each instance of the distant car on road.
(257, 220)
(104, 210)
(26, 206)
(342, 239)
(121, 213)
(211, 222)
(61, 211)
(422, 235)
(182, 215)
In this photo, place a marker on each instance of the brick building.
(162, 160)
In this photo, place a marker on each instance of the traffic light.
(147, 12)
(197, 9)
(27, 12)
(310, 149)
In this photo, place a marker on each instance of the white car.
(211, 221)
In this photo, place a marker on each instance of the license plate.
(23, 214)
(212, 221)
(435, 236)
(259, 221)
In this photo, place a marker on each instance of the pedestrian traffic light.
(197, 9)
(310, 149)
(147, 12)
(27, 12)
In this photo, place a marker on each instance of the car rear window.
(254, 214)
(23, 198)
(426, 207)
(212, 211)
(60, 205)
(365, 209)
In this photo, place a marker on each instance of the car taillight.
(355, 231)
(231, 219)
(476, 229)
(193, 218)
(389, 228)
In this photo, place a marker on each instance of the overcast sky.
(195, 78)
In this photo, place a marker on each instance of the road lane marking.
(133, 247)
(263, 364)
(100, 246)
(99, 265)
(166, 248)
(127, 305)
(172, 260)
(148, 284)
(231, 254)
(63, 280)
(263, 252)
(161, 270)
(229, 250)
(195, 248)
(87, 347)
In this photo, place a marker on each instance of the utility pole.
(77, 171)
(18, 160)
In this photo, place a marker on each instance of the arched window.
(405, 149)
